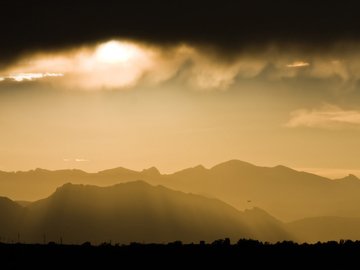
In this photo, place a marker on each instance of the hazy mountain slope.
(325, 229)
(11, 215)
(39, 183)
(137, 211)
(285, 193)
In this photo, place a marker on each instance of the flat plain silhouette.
(217, 254)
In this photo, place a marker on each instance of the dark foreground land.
(246, 254)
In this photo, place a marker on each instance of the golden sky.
(124, 103)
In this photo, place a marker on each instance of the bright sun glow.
(112, 64)
(115, 52)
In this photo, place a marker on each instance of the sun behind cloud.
(113, 64)
(116, 52)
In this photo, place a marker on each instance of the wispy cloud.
(76, 160)
(120, 64)
(81, 160)
(328, 116)
(19, 77)
(298, 64)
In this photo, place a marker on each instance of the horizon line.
(319, 171)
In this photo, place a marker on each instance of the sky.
(105, 84)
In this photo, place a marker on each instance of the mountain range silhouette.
(190, 205)
(132, 212)
(285, 193)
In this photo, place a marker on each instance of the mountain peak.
(151, 171)
(350, 177)
(6, 203)
(199, 169)
(116, 171)
(71, 186)
(283, 168)
(67, 186)
(234, 163)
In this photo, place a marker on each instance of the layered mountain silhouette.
(132, 212)
(285, 193)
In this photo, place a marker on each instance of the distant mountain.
(134, 212)
(349, 179)
(285, 193)
(325, 229)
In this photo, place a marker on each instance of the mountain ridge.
(235, 182)
(139, 212)
(136, 211)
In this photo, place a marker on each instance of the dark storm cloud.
(32, 25)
